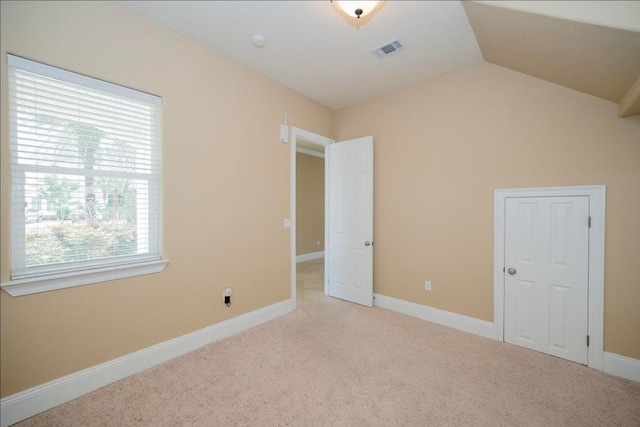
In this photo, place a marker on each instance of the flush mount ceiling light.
(356, 9)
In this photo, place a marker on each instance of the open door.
(349, 248)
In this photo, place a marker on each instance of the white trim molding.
(309, 152)
(50, 282)
(622, 366)
(614, 364)
(297, 133)
(435, 315)
(35, 400)
(310, 256)
(596, 194)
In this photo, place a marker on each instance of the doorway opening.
(308, 216)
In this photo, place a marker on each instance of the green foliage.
(80, 241)
(98, 229)
(59, 193)
(87, 138)
(43, 249)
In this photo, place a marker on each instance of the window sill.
(34, 285)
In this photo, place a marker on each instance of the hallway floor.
(309, 281)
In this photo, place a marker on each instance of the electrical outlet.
(427, 285)
(226, 295)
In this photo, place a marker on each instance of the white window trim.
(79, 79)
(97, 273)
(52, 282)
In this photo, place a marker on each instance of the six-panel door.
(350, 246)
(546, 275)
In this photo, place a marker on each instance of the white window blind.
(85, 160)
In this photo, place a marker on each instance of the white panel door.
(350, 212)
(546, 278)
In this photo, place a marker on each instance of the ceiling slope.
(315, 50)
(594, 59)
(592, 47)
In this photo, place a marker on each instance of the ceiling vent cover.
(388, 49)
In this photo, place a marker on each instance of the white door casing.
(349, 250)
(547, 275)
(596, 207)
(297, 133)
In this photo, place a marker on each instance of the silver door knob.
(368, 243)
(511, 271)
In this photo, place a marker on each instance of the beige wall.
(309, 204)
(223, 210)
(444, 146)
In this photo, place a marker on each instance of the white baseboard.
(28, 403)
(38, 399)
(614, 364)
(435, 315)
(309, 256)
(622, 366)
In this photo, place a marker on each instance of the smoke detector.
(388, 49)
(258, 41)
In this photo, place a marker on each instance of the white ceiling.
(313, 49)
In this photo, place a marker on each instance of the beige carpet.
(332, 363)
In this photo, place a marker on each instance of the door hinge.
(587, 340)
(504, 270)
(589, 221)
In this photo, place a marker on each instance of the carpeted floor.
(333, 363)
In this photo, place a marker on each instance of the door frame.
(297, 133)
(595, 322)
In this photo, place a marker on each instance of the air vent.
(388, 49)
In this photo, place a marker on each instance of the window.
(85, 171)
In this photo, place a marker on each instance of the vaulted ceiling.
(309, 46)
(600, 60)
